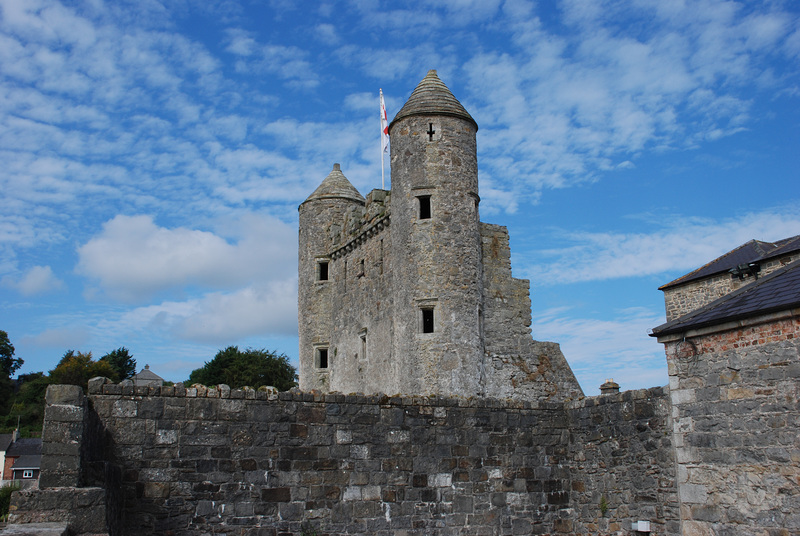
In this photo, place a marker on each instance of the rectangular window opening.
(322, 358)
(322, 270)
(27, 473)
(424, 207)
(364, 346)
(427, 321)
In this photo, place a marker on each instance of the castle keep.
(407, 291)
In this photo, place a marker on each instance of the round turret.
(436, 237)
(324, 221)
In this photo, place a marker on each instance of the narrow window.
(363, 346)
(360, 268)
(322, 358)
(322, 270)
(424, 207)
(427, 320)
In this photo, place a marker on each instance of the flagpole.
(384, 139)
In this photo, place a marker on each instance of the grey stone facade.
(407, 291)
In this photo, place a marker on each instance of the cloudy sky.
(153, 155)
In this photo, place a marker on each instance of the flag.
(384, 126)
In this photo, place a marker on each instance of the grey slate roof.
(752, 251)
(5, 441)
(777, 291)
(25, 447)
(28, 461)
(432, 97)
(336, 185)
(147, 376)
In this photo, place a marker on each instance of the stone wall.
(735, 397)
(200, 461)
(75, 483)
(622, 463)
(515, 366)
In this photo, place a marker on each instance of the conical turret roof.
(336, 185)
(432, 97)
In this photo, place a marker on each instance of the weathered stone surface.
(738, 463)
(64, 394)
(407, 292)
(354, 463)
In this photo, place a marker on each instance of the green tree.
(251, 367)
(8, 366)
(8, 363)
(78, 368)
(122, 362)
(28, 408)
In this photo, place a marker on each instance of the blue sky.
(154, 155)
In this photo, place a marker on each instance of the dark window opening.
(322, 271)
(322, 358)
(424, 207)
(427, 321)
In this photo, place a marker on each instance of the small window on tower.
(321, 358)
(427, 320)
(364, 344)
(322, 270)
(424, 207)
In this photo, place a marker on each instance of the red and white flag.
(384, 126)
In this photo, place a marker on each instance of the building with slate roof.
(727, 273)
(5, 442)
(406, 290)
(734, 371)
(147, 377)
(23, 459)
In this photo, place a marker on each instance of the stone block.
(68, 395)
(692, 493)
(96, 385)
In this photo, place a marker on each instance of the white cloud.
(37, 280)
(240, 42)
(592, 256)
(266, 309)
(132, 258)
(617, 348)
(565, 107)
(60, 338)
(326, 33)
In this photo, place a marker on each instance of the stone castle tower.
(407, 291)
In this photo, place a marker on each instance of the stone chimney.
(610, 387)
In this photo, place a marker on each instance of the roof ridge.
(687, 277)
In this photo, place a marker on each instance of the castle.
(407, 291)
(473, 428)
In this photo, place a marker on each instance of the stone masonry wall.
(736, 413)
(622, 463)
(202, 461)
(515, 366)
